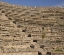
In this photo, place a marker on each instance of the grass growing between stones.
(43, 35)
(58, 50)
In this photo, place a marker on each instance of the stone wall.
(31, 30)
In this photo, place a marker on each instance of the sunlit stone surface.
(31, 30)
